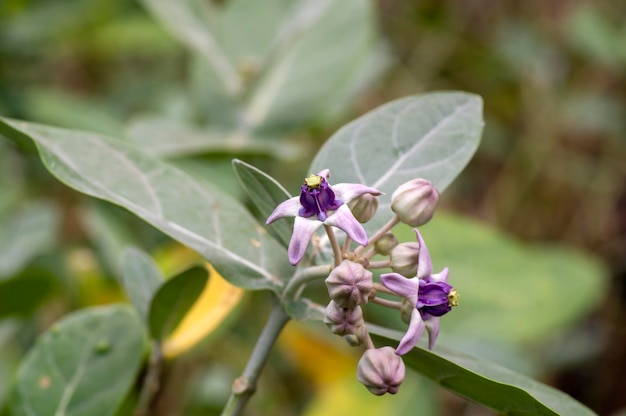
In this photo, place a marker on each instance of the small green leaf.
(484, 382)
(430, 136)
(266, 193)
(68, 372)
(174, 299)
(141, 278)
(196, 213)
(25, 234)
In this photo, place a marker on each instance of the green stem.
(303, 276)
(384, 229)
(387, 303)
(151, 384)
(245, 385)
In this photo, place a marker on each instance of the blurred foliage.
(551, 169)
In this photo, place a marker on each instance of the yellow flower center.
(453, 298)
(313, 181)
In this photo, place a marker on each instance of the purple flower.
(318, 204)
(429, 294)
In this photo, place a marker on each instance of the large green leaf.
(194, 212)
(266, 193)
(323, 56)
(174, 299)
(26, 233)
(84, 366)
(141, 278)
(484, 382)
(430, 136)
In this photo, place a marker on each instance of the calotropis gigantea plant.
(387, 168)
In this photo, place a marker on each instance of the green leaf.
(304, 310)
(266, 193)
(196, 213)
(484, 382)
(169, 138)
(28, 232)
(141, 278)
(319, 59)
(84, 366)
(430, 136)
(173, 299)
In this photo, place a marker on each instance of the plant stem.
(245, 385)
(383, 230)
(303, 276)
(382, 264)
(151, 382)
(387, 303)
(334, 243)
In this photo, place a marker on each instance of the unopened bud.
(404, 258)
(343, 321)
(385, 244)
(381, 371)
(415, 201)
(349, 284)
(364, 207)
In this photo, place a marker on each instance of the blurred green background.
(550, 172)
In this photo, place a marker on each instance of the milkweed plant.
(375, 178)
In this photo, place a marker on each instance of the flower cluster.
(424, 296)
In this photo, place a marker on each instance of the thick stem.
(305, 275)
(382, 264)
(334, 244)
(387, 303)
(245, 385)
(151, 384)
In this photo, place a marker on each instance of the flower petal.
(343, 219)
(432, 326)
(325, 173)
(346, 192)
(407, 288)
(424, 264)
(416, 327)
(442, 276)
(303, 230)
(288, 208)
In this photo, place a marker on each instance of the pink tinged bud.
(349, 284)
(364, 207)
(381, 371)
(404, 259)
(385, 244)
(415, 201)
(343, 321)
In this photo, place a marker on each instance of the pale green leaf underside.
(83, 366)
(193, 212)
(141, 278)
(431, 136)
(485, 382)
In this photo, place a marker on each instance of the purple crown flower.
(318, 204)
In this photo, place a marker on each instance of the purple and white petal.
(432, 326)
(416, 327)
(424, 264)
(346, 192)
(344, 219)
(407, 288)
(288, 208)
(442, 276)
(303, 230)
(325, 173)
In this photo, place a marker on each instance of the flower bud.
(404, 258)
(349, 284)
(364, 207)
(381, 371)
(385, 244)
(343, 321)
(415, 201)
